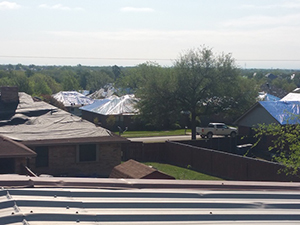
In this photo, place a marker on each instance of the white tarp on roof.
(293, 96)
(103, 93)
(115, 105)
(72, 98)
(53, 123)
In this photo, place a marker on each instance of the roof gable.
(134, 169)
(12, 149)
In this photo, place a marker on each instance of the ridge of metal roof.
(128, 201)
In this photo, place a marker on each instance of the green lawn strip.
(180, 173)
(131, 134)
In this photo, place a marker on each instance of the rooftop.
(44, 200)
(39, 121)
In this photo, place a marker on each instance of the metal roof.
(130, 201)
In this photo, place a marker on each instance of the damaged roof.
(114, 105)
(36, 121)
(72, 98)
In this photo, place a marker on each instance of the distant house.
(293, 96)
(263, 96)
(267, 112)
(136, 170)
(273, 90)
(13, 156)
(102, 93)
(72, 100)
(66, 145)
(112, 112)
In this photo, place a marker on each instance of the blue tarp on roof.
(283, 112)
(270, 97)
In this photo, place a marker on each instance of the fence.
(213, 162)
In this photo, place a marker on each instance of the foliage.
(157, 105)
(203, 81)
(96, 80)
(70, 82)
(111, 120)
(285, 143)
(39, 85)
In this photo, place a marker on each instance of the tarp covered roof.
(103, 93)
(293, 96)
(41, 121)
(72, 98)
(262, 96)
(114, 105)
(284, 112)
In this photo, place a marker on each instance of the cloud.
(9, 5)
(286, 4)
(59, 7)
(258, 21)
(134, 9)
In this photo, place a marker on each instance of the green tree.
(70, 81)
(97, 79)
(285, 143)
(116, 71)
(158, 105)
(39, 85)
(202, 80)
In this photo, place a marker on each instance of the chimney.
(9, 94)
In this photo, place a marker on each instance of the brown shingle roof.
(12, 149)
(134, 169)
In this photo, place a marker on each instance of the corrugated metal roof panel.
(182, 202)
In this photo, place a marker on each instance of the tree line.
(199, 84)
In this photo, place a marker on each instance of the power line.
(69, 57)
(121, 58)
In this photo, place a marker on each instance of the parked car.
(216, 129)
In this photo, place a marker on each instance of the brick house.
(66, 145)
(13, 156)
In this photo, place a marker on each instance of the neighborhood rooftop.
(114, 105)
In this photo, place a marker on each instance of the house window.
(87, 153)
(42, 158)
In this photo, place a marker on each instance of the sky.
(258, 33)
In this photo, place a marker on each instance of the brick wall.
(63, 161)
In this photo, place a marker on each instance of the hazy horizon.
(259, 34)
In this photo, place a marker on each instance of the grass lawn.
(181, 173)
(132, 134)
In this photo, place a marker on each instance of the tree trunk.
(193, 125)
